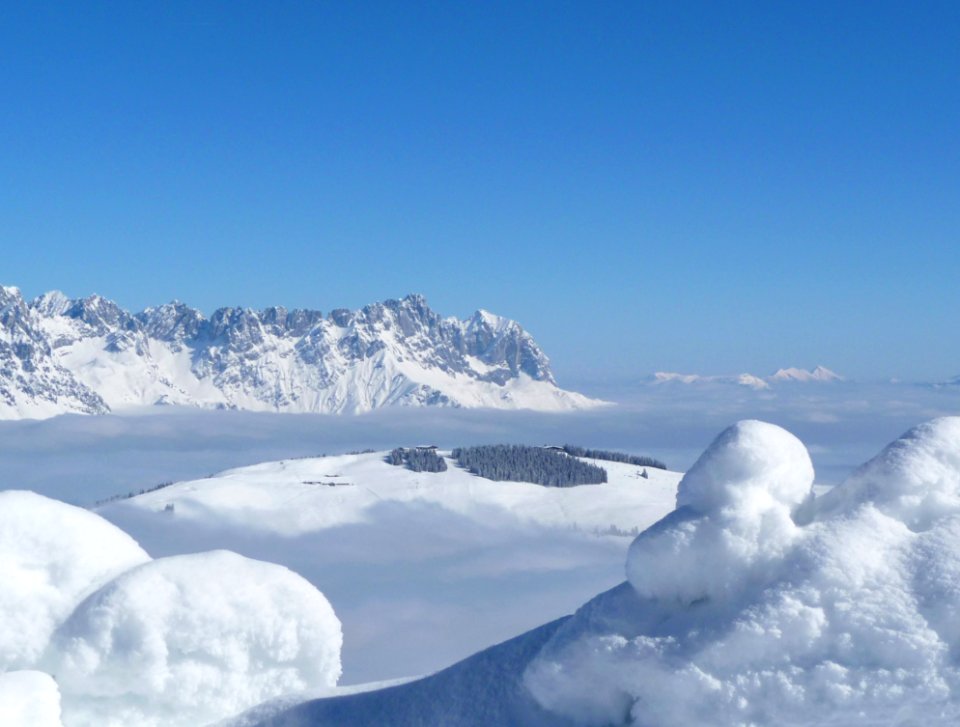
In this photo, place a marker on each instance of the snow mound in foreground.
(916, 479)
(734, 518)
(29, 699)
(52, 555)
(736, 613)
(191, 639)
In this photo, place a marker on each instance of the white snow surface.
(734, 517)
(422, 568)
(52, 555)
(191, 639)
(29, 699)
(851, 620)
(837, 610)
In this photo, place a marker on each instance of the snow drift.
(753, 603)
(733, 519)
(176, 641)
(191, 639)
(52, 555)
(758, 618)
(30, 699)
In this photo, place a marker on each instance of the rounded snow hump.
(915, 479)
(52, 555)
(187, 639)
(734, 516)
(749, 466)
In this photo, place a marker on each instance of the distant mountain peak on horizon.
(820, 374)
(89, 355)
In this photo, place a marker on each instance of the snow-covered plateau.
(89, 356)
(751, 596)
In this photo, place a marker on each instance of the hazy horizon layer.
(83, 459)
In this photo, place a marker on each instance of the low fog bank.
(84, 459)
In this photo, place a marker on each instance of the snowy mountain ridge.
(820, 374)
(88, 355)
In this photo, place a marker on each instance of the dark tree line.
(638, 460)
(418, 460)
(520, 463)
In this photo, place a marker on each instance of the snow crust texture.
(187, 640)
(51, 556)
(734, 517)
(30, 699)
(753, 605)
(184, 640)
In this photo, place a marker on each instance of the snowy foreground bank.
(753, 602)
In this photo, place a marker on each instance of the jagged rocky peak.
(411, 315)
(100, 314)
(33, 383)
(300, 321)
(494, 339)
(52, 303)
(173, 321)
(239, 326)
(13, 309)
(396, 352)
(341, 317)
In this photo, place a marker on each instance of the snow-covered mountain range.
(88, 355)
(820, 374)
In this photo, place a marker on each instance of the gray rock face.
(89, 355)
(31, 379)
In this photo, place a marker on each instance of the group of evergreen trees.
(520, 463)
(637, 460)
(418, 459)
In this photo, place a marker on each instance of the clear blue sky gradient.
(714, 187)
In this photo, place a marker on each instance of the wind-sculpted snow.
(90, 356)
(845, 614)
(191, 639)
(29, 699)
(175, 641)
(52, 555)
(734, 517)
(916, 479)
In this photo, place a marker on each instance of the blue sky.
(710, 187)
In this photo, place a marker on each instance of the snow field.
(173, 641)
(423, 569)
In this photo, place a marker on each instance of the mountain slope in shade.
(90, 356)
